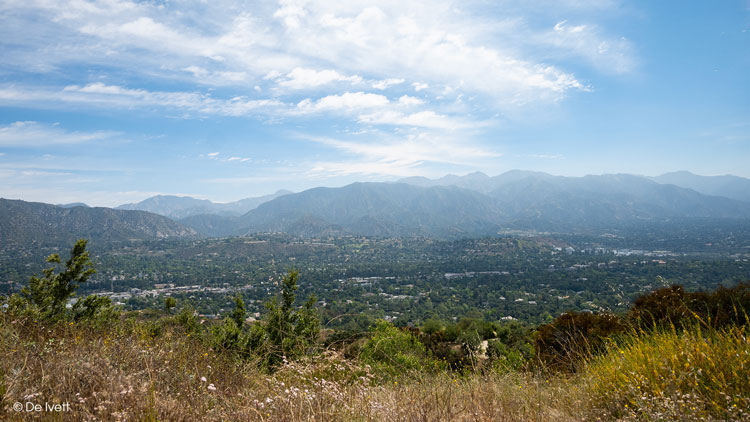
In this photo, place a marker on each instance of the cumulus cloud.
(307, 44)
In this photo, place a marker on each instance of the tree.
(50, 293)
(239, 312)
(290, 332)
(169, 304)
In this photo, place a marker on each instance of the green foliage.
(239, 312)
(394, 351)
(256, 340)
(573, 337)
(673, 306)
(47, 297)
(290, 332)
(51, 292)
(186, 318)
(94, 308)
(169, 304)
(226, 336)
(504, 358)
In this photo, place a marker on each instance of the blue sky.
(113, 101)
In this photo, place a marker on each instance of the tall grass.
(123, 372)
(697, 374)
(127, 371)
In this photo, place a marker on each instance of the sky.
(113, 101)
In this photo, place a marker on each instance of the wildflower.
(203, 379)
(211, 387)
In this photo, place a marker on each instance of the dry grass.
(667, 375)
(122, 373)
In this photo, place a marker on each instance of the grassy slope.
(121, 372)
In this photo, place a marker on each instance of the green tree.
(169, 304)
(50, 293)
(290, 332)
(239, 312)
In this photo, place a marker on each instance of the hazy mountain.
(476, 181)
(521, 200)
(33, 222)
(729, 186)
(560, 203)
(213, 225)
(73, 204)
(179, 207)
(377, 209)
(452, 206)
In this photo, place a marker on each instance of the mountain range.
(177, 207)
(26, 223)
(477, 204)
(448, 207)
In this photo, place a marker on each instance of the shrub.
(674, 306)
(290, 332)
(573, 337)
(394, 351)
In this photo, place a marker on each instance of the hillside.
(728, 186)
(473, 205)
(378, 209)
(179, 207)
(25, 223)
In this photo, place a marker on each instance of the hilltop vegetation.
(674, 356)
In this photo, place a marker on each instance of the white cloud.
(429, 43)
(387, 83)
(418, 86)
(99, 94)
(302, 78)
(212, 154)
(35, 134)
(613, 55)
(407, 100)
(238, 159)
(399, 156)
(348, 101)
(427, 119)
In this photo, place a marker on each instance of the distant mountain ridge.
(178, 207)
(728, 186)
(25, 223)
(448, 207)
(472, 205)
(378, 209)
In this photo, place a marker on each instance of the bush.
(393, 351)
(676, 307)
(290, 332)
(573, 337)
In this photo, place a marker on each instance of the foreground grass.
(694, 375)
(120, 372)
